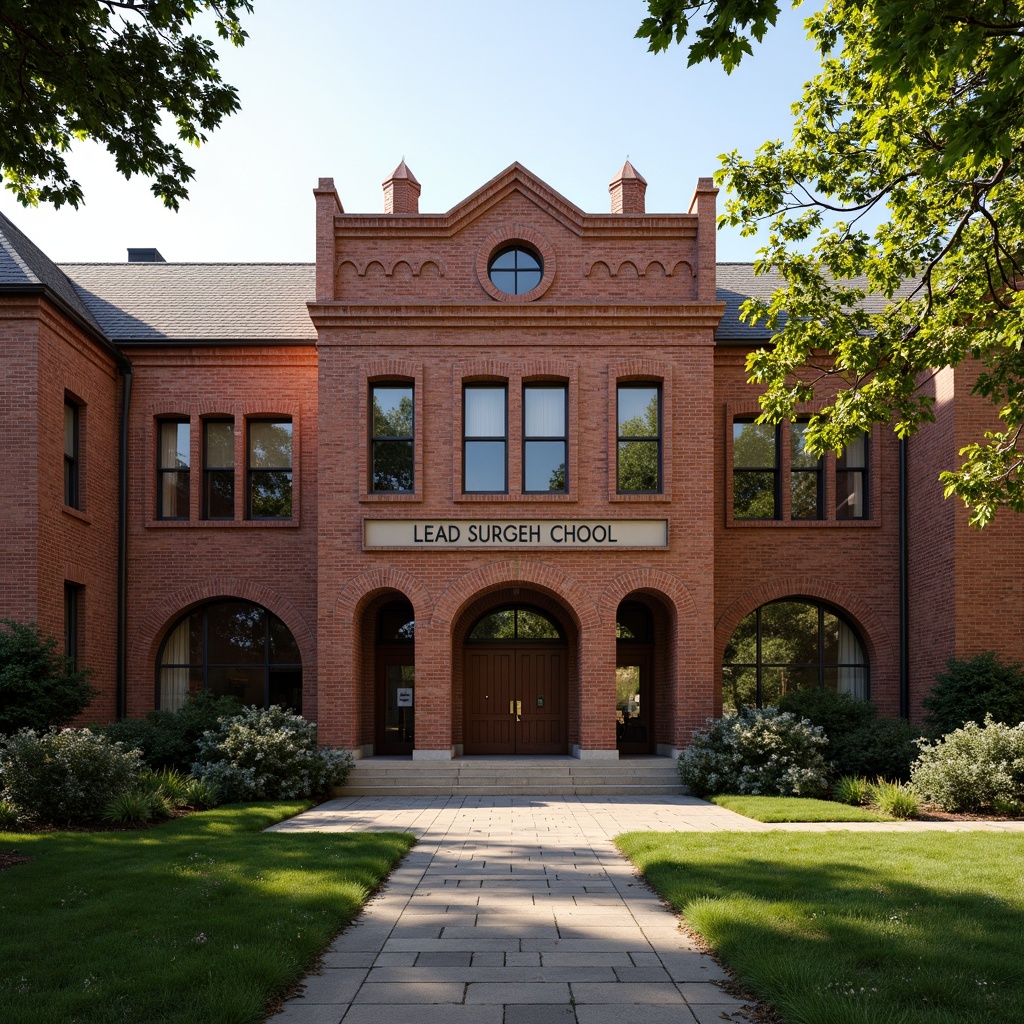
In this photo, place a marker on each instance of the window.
(72, 616)
(231, 648)
(639, 439)
(545, 433)
(391, 437)
(219, 469)
(518, 623)
(270, 469)
(792, 645)
(485, 436)
(515, 270)
(852, 480)
(805, 476)
(755, 470)
(71, 456)
(173, 469)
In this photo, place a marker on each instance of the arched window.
(231, 648)
(518, 623)
(792, 645)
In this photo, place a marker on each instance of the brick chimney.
(627, 190)
(402, 191)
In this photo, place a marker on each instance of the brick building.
(485, 481)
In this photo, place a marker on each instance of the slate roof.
(147, 302)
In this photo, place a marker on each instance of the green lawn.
(794, 808)
(201, 920)
(855, 928)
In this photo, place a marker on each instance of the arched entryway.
(515, 689)
(395, 678)
(634, 689)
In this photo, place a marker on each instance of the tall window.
(231, 648)
(485, 439)
(72, 615)
(852, 480)
(545, 438)
(792, 645)
(391, 440)
(71, 459)
(219, 469)
(755, 470)
(173, 469)
(805, 475)
(639, 439)
(270, 469)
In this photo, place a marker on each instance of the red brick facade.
(406, 299)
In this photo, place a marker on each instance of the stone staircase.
(501, 776)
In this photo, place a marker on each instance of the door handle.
(519, 710)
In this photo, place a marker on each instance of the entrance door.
(395, 705)
(514, 699)
(633, 720)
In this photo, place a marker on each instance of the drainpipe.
(903, 619)
(121, 686)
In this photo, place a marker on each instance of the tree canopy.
(915, 122)
(119, 73)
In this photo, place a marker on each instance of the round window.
(515, 270)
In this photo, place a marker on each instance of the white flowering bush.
(760, 751)
(268, 755)
(64, 776)
(972, 768)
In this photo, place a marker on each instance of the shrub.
(129, 808)
(759, 751)
(65, 776)
(973, 688)
(39, 687)
(897, 799)
(170, 739)
(265, 755)
(859, 742)
(851, 789)
(8, 816)
(976, 767)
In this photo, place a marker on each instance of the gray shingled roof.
(198, 301)
(24, 265)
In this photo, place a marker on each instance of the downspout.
(121, 689)
(904, 589)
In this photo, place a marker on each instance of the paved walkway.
(519, 910)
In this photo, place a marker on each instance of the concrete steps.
(497, 776)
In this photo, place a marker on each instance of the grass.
(201, 920)
(855, 928)
(794, 808)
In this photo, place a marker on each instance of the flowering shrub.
(759, 751)
(268, 755)
(64, 776)
(973, 767)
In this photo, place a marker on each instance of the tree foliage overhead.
(120, 73)
(916, 120)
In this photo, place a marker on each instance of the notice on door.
(604, 534)
(403, 697)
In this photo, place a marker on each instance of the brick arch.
(661, 584)
(153, 628)
(362, 589)
(498, 575)
(872, 631)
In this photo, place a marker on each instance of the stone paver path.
(519, 910)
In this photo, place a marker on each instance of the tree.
(39, 687)
(916, 119)
(113, 72)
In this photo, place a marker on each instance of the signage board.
(496, 534)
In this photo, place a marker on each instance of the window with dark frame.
(852, 480)
(515, 270)
(71, 455)
(72, 616)
(755, 470)
(485, 439)
(545, 438)
(173, 460)
(391, 437)
(218, 469)
(269, 469)
(638, 434)
(806, 497)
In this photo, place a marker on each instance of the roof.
(145, 302)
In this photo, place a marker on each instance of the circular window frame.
(510, 237)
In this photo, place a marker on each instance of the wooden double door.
(515, 698)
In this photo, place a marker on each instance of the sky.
(348, 88)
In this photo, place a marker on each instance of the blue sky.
(347, 88)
